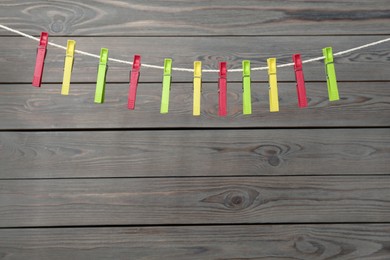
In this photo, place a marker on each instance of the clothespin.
(222, 88)
(273, 86)
(166, 88)
(197, 87)
(101, 76)
(40, 60)
(333, 91)
(134, 76)
(301, 89)
(68, 67)
(246, 88)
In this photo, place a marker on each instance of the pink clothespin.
(40, 60)
(301, 89)
(134, 76)
(222, 82)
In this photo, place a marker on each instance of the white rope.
(192, 70)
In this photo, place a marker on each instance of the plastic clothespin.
(301, 89)
(222, 88)
(101, 76)
(40, 60)
(333, 91)
(134, 76)
(197, 87)
(246, 88)
(68, 67)
(273, 86)
(166, 88)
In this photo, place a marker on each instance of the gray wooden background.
(80, 180)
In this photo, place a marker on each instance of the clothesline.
(187, 69)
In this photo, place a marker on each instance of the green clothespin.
(246, 87)
(166, 88)
(101, 76)
(333, 91)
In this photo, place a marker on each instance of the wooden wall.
(80, 180)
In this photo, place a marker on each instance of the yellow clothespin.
(197, 87)
(273, 86)
(68, 67)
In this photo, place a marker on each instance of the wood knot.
(271, 153)
(274, 160)
(57, 27)
(308, 246)
(236, 199)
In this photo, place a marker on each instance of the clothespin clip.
(333, 91)
(301, 89)
(40, 60)
(166, 88)
(197, 87)
(273, 86)
(246, 88)
(68, 67)
(222, 88)
(134, 76)
(101, 76)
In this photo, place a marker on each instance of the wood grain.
(212, 17)
(86, 181)
(26, 107)
(211, 242)
(194, 153)
(194, 201)
(18, 57)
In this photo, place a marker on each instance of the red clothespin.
(222, 82)
(301, 89)
(134, 76)
(40, 61)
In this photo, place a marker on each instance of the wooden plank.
(18, 57)
(79, 202)
(212, 17)
(203, 242)
(26, 107)
(194, 153)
